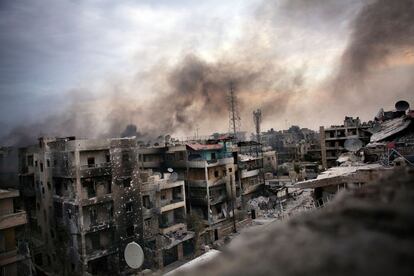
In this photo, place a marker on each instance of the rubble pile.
(363, 232)
(272, 207)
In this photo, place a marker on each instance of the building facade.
(332, 139)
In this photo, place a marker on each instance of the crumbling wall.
(126, 193)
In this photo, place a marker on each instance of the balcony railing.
(10, 219)
(98, 165)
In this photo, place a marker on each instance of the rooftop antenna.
(234, 118)
(257, 118)
(196, 131)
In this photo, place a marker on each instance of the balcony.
(168, 184)
(210, 163)
(203, 183)
(96, 253)
(96, 199)
(168, 205)
(172, 226)
(150, 164)
(99, 225)
(12, 219)
(62, 171)
(246, 173)
(9, 257)
(95, 170)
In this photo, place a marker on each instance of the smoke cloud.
(192, 92)
(382, 38)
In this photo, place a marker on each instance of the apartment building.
(209, 171)
(332, 139)
(92, 197)
(14, 254)
(250, 170)
(164, 212)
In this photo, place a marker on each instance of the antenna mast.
(234, 118)
(257, 118)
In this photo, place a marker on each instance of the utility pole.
(234, 125)
(234, 118)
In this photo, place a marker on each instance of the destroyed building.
(210, 175)
(164, 212)
(86, 203)
(332, 139)
(250, 170)
(292, 144)
(392, 137)
(381, 145)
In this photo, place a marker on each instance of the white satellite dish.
(174, 176)
(158, 174)
(353, 144)
(134, 256)
(170, 170)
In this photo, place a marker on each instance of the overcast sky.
(50, 50)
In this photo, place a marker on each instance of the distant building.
(332, 139)
(292, 144)
(270, 161)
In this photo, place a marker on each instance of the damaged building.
(15, 256)
(86, 204)
(368, 152)
(332, 139)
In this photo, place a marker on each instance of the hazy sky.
(55, 55)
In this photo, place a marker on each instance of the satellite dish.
(134, 256)
(170, 170)
(353, 144)
(174, 176)
(402, 105)
(158, 174)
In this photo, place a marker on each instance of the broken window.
(125, 157)
(130, 230)
(216, 173)
(213, 156)
(128, 207)
(49, 186)
(146, 201)
(148, 223)
(91, 162)
(48, 163)
(95, 241)
(90, 187)
(126, 182)
(93, 215)
(108, 158)
(41, 166)
(230, 169)
(30, 160)
(36, 163)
